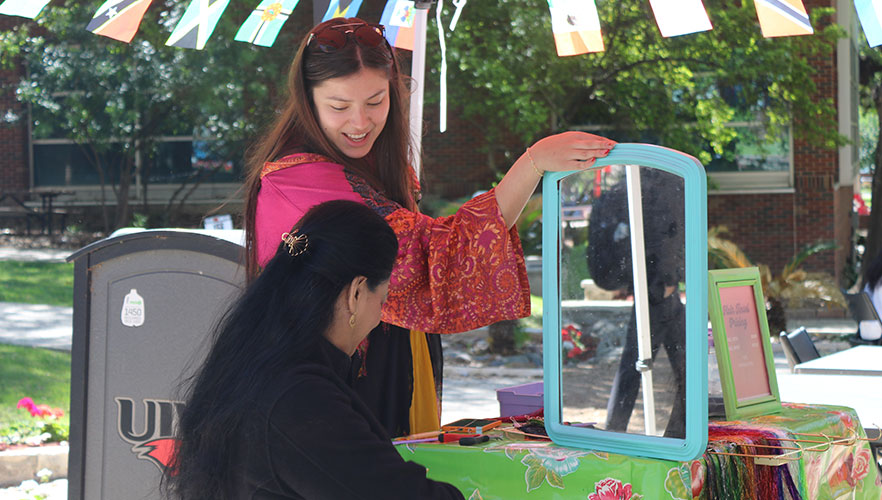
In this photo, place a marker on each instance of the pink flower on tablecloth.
(612, 489)
(844, 417)
(862, 461)
(697, 472)
(841, 471)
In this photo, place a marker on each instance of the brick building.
(770, 214)
(772, 218)
(14, 137)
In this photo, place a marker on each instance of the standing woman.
(343, 133)
(271, 414)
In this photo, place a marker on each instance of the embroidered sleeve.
(456, 273)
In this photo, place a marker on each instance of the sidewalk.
(34, 254)
(33, 325)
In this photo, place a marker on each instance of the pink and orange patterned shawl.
(452, 274)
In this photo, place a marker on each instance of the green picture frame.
(741, 340)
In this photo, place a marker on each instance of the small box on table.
(520, 399)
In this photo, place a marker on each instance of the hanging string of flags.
(680, 17)
(574, 23)
(576, 27)
(870, 14)
(342, 8)
(118, 19)
(264, 23)
(23, 8)
(398, 17)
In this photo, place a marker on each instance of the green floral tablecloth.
(511, 470)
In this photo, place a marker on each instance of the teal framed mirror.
(624, 265)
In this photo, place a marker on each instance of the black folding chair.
(861, 308)
(798, 347)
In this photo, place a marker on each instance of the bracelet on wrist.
(533, 163)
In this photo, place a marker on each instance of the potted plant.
(792, 287)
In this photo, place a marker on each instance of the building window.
(753, 161)
(170, 160)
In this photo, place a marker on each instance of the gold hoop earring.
(352, 321)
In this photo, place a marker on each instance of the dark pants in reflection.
(667, 321)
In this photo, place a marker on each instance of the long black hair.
(276, 322)
(873, 275)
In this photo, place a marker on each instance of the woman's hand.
(561, 152)
(568, 151)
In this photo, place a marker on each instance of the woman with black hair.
(871, 330)
(271, 412)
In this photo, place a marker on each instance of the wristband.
(533, 164)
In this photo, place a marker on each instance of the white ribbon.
(442, 112)
(459, 4)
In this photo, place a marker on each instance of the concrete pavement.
(30, 324)
(34, 254)
(35, 325)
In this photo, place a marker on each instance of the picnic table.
(44, 215)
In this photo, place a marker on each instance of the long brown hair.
(296, 127)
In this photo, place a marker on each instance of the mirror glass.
(622, 296)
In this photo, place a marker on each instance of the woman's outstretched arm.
(561, 152)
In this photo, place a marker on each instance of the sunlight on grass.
(40, 374)
(37, 283)
(534, 320)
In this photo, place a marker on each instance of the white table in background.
(860, 360)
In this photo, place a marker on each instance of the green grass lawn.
(40, 374)
(36, 282)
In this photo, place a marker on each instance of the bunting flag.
(783, 18)
(576, 26)
(319, 7)
(398, 17)
(263, 25)
(199, 21)
(870, 14)
(680, 17)
(23, 8)
(342, 8)
(119, 19)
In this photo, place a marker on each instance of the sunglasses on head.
(336, 36)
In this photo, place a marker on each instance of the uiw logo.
(156, 441)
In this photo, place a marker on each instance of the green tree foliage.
(679, 92)
(114, 99)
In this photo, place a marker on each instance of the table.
(512, 469)
(859, 392)
(47, 197)
(860, 360)
(19, 209)
(44, 214)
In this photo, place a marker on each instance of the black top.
(311, 437)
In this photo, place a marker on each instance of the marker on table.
(472, 440)
(411, 441)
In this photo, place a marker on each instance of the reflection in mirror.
(623, 325)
